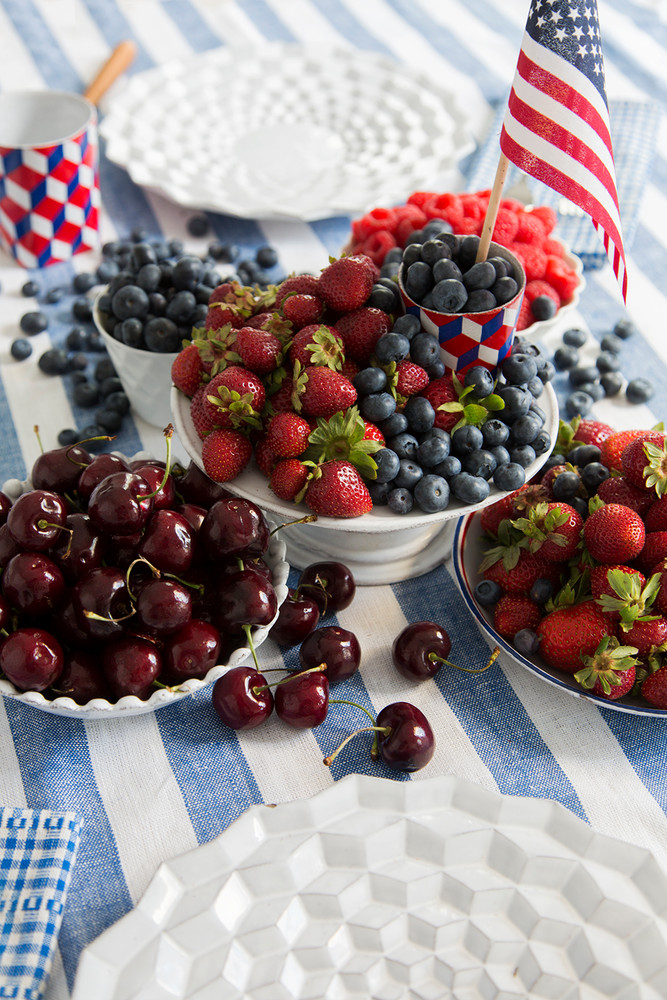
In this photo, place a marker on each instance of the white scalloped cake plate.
(417, 890)
(285, 131)
(101, 708)
(468, 554)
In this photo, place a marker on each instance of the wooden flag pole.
(492, 209)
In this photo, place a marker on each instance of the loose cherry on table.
(337, 647)
(403, 737)
(242, 698)
(302, 700)
(330, 584)
(297, 617)
(420, 650)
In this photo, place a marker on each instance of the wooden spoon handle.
(121, 57)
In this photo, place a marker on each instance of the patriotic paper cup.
(49, 181)
(476, 338)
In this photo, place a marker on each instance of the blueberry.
(405, 445)
(480, 463)
(502, 267)
(501, 454)
(487, 593)
(20, 349)
(469, 489)
(110, 420)
(107, 270)
(117, 400)
(110, 385)
(517, 401)
(94, 436)
(494, 432)
(566, 485)
(624, 328)
(162, 335)
(482, 380)
(433, 250)
(449, 296)
(95, 343)
(396, 424)
(611, 343)
(197, 225)
(556, 458)
(535, 387)
(122, 278)
(574, 337)
(518, 369)
(523, 454)
(77, 339)
(420, 414)
(186, 273)
(639, 390)
(543, 307)
(104, 369)
(607, 362)
(424, 349)
(82, 310)
(30, 289)
(400, 501)
(431, 493)
(392, 347)
(33, 322)
(225, 252)
(593, 474)
(435, 368)
(409, 474)
(130, 300)
(467, 252)
(510, 476)
(481, 275)
(481, 300)
(525, 429)
(68, 437)
(77, 362)
(504, 289)
(407, 325)
(526, 641)
(53, 362)
(142, 253)
(83, 282)
(388, 465)
(450, 466)
(180, 309)
(541, 591)
(546, 373)
(582, 454)
(566, 358)
(433, 450)
(418, 280)
(384, 298)
(149, 277)
(379, 492)
(580, 375)
(132, 332)
(538, 413)
(377, 406)
(138, 234)
(55, 294)
(412, 254)
(86, 394)
(611, 382)
(393, 256)
(446, 269)
(266, 256)
(542, 443)
(466, 439)
(157, 304)
(369, 380)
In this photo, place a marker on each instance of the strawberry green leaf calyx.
(633, 602)
(542, 525)
(567, 596)
(608, 664)
(216, 347)
(475, 412)
(325, 349)
(299, 381)
(595, 503)
(342, 437)
(238, 407)
(655, 471)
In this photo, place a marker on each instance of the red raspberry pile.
(582, 582)
(527, 233)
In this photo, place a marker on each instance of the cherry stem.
(434, 658)
(99, 437)
(107, 618)
(307, 519)
(39, 440)
(311, 670)
(328, 761)
(168, 433)
(251, 645)
(140, 559)
(343, 701)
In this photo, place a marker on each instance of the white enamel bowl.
(380, 547)
(100, 708)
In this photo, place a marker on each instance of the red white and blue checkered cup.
(49, 176)
(474, 338)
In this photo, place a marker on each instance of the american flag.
(556, 126)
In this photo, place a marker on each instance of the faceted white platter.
(418, 890)
(285, 132)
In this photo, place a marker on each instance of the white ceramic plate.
(100, 708)
(539, 330)
(468, 553)
(427, 890)
(285, 131)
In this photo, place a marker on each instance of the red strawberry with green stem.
(644, 461)
(569, 633)
(344, 436)
(235, 398)
(514, 612)
(317, 344)
(289, 478)
(346, 283)
(614, 534)
(321, 392)
(337, 490)
(187, 370)
(552, 529)
(610, 671)
(360, 331)
(225, 454)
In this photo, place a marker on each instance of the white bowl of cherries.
(127, 586)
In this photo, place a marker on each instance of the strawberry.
(259, 350)
(654, 688)
(264, 457)
(287, 435)
(302, 310)
(646, 635)
(299, 284)
(350, 368)
(611, 449)
(317, 344)
(613, 591)
(553, 529)
(614, 534)
(655, 549)
(360, 330)
(187, 370)
(569, 633)
(644, 461)
(409, 378)
(438, 392)
(617, 489)
(321, 392)
(288, 479)
(510, 506)
(373, 433)
(337, 490)
(217, 348)
(220, 315)
(514, 612)
(346, 283)
(235, 397)
(343, 436)
(517, 575)
(610, 672)
(281, 400)
(592, 431)
(225, 454)
(203, 422)
(655, 516)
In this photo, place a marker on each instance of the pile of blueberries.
(426, 467)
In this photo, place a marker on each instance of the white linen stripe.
(230, 23)
(155, 29)
(16, 63)
(82, 42)
(12, 792)
(307, 24)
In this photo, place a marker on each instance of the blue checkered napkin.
(634, 132)
(37, 852)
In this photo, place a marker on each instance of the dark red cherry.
(100, 467)
(82, 550)
(33, 583)
(193, 514)
(243, 597)
(164, 490)
(330, 584)
(167, 542)
(102, 602)
(302, 701)
(120, 504)
(337, 647)
(192, 651)
(195, 487)
(60, 468)
(31, 658)
(241, 698)
(131, 665)
(408, 743)
(8, 546)
(82, 678)
(298, 616)
(5, 613)
(163, 606)
(234, 527)
(5, 504)
(418, 651)
(36, 519)
(66, 627)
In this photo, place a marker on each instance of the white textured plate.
(285, 131)
(100, 708)
(421, 890)
(468, 554)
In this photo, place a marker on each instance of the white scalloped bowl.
(539, 330)
(380, 547)
(101, 708)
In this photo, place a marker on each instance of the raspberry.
(539, 287)
(561, 277)
(530, 229)
(553, 248)
(409, 217)
(526, 317)
(446, 206)
(419, 198)
(377, 245)
(377, 220)
(547, 216)
(474, 206)
(533, 258)
(470, 226)
(506, 226)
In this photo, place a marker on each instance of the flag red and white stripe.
(556, 125)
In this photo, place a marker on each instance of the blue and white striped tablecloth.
(153, 786)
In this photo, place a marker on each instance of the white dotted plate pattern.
(100, 708)
(285, 132)
(385, 890)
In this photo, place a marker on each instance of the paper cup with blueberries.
(472, 307)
